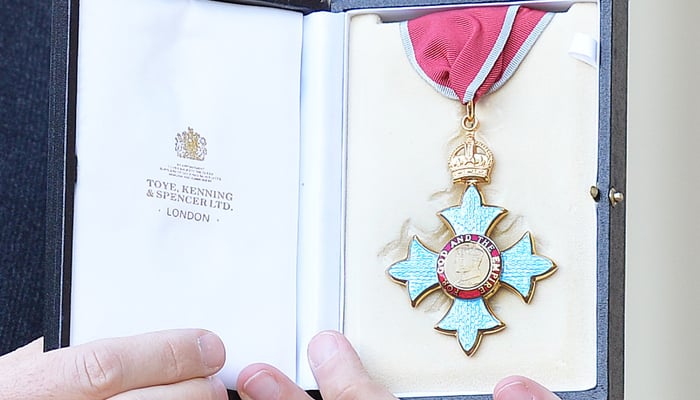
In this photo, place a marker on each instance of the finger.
(199, 388)
(521, 388)
(105, 368)
(339, 371)
(264, 382)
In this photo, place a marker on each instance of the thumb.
(339, 371)
(521, 388)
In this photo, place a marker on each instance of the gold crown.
(471, 162)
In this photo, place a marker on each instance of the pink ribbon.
(470, 52)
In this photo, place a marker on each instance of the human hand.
(172, 365)
(341, 376)
(336, 367)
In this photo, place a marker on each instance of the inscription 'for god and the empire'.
(189, 195)
(469, 266)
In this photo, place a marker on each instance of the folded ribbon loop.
(467, 53)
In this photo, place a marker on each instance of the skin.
(181, 364)
(173, 365)
(341, 376)
(521, 388)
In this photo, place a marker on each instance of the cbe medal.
(464, 57)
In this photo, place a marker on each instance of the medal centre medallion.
(469, 266)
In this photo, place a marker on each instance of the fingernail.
(322, 348)
(514, 391)
(218, 388)
(261, 386)
(212, 350)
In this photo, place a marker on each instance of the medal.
(466, 54)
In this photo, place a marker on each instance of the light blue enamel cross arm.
(472, 216)
(417, 271)
(469, 320)
(522, 267)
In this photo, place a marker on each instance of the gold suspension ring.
(469, 121)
